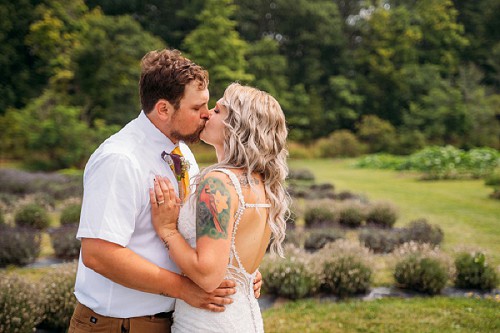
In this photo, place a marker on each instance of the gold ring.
(161, 202)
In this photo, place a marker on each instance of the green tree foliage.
(443, 36)
(379, 135)
(268, 67)
(439, 114)
(310, 36)
(54, 34)
(216, 45)
(481, 25)
(170, 20)
(428, 70)
(19, 79)
(49, 135)
(84, 51)
(108, 57)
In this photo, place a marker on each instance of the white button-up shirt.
(116, 208)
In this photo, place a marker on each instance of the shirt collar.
(154, 134)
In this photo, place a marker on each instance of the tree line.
(426, 71)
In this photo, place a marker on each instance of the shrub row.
(314, 239)
(350, 214)
(46, 304)
(20, 244)
(344, 269)
(386, 240)
(57, 185)
(440, 162)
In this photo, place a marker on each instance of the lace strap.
(236, 184)
(258, 205)
(233, 253)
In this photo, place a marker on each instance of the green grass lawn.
(437, 314)
(460, 207)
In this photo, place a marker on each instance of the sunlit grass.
(437, 314)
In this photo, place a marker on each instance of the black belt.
(164, 315)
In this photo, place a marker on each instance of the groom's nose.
(205, 113)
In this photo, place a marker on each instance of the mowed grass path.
(461, 207)
(417, 315)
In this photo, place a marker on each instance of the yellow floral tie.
(180, 168)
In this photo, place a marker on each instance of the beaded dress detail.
(243, 315)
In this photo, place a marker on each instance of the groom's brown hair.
(164, 75)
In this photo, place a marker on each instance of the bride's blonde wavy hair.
(255, 140)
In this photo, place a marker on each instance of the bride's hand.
(165, 207)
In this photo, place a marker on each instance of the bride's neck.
(219, 151)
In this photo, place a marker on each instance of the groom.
(126, 281)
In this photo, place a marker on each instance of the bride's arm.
(205, 265)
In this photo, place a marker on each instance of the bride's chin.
(203, 138)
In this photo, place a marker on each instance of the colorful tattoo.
(212, 210)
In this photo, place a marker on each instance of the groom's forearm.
(123, 266)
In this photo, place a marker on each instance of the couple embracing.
(166, 247)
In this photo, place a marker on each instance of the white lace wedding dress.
(243, 315)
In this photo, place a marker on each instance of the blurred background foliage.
(395, 75)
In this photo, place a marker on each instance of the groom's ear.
(163, 109)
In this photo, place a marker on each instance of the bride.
(223, 230)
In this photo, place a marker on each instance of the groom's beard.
(188, 138)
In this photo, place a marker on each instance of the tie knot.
(177, 151)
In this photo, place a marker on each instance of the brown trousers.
(86, 320)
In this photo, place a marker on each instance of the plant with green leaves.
(291, 277)
(474, 272)
(32, 215)
(345, 268)
(422, 267)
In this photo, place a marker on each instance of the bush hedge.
(319, 216)
(71, 214)
(473, 272)
(64, 242)
(56, 185)
(345, 268)
(350, 215)
(58, 299)
(422, 267)
(421, 231)
(18, 246)
(300, 175)
(382, 214)
(381, 240)
(20, 304)
(318, 238)
(291, 277)
(32, 215)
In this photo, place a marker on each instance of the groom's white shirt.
(116, 208)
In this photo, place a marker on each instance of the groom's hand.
(257, 284)
(214, 301)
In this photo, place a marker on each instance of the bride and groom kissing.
(166, 247)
